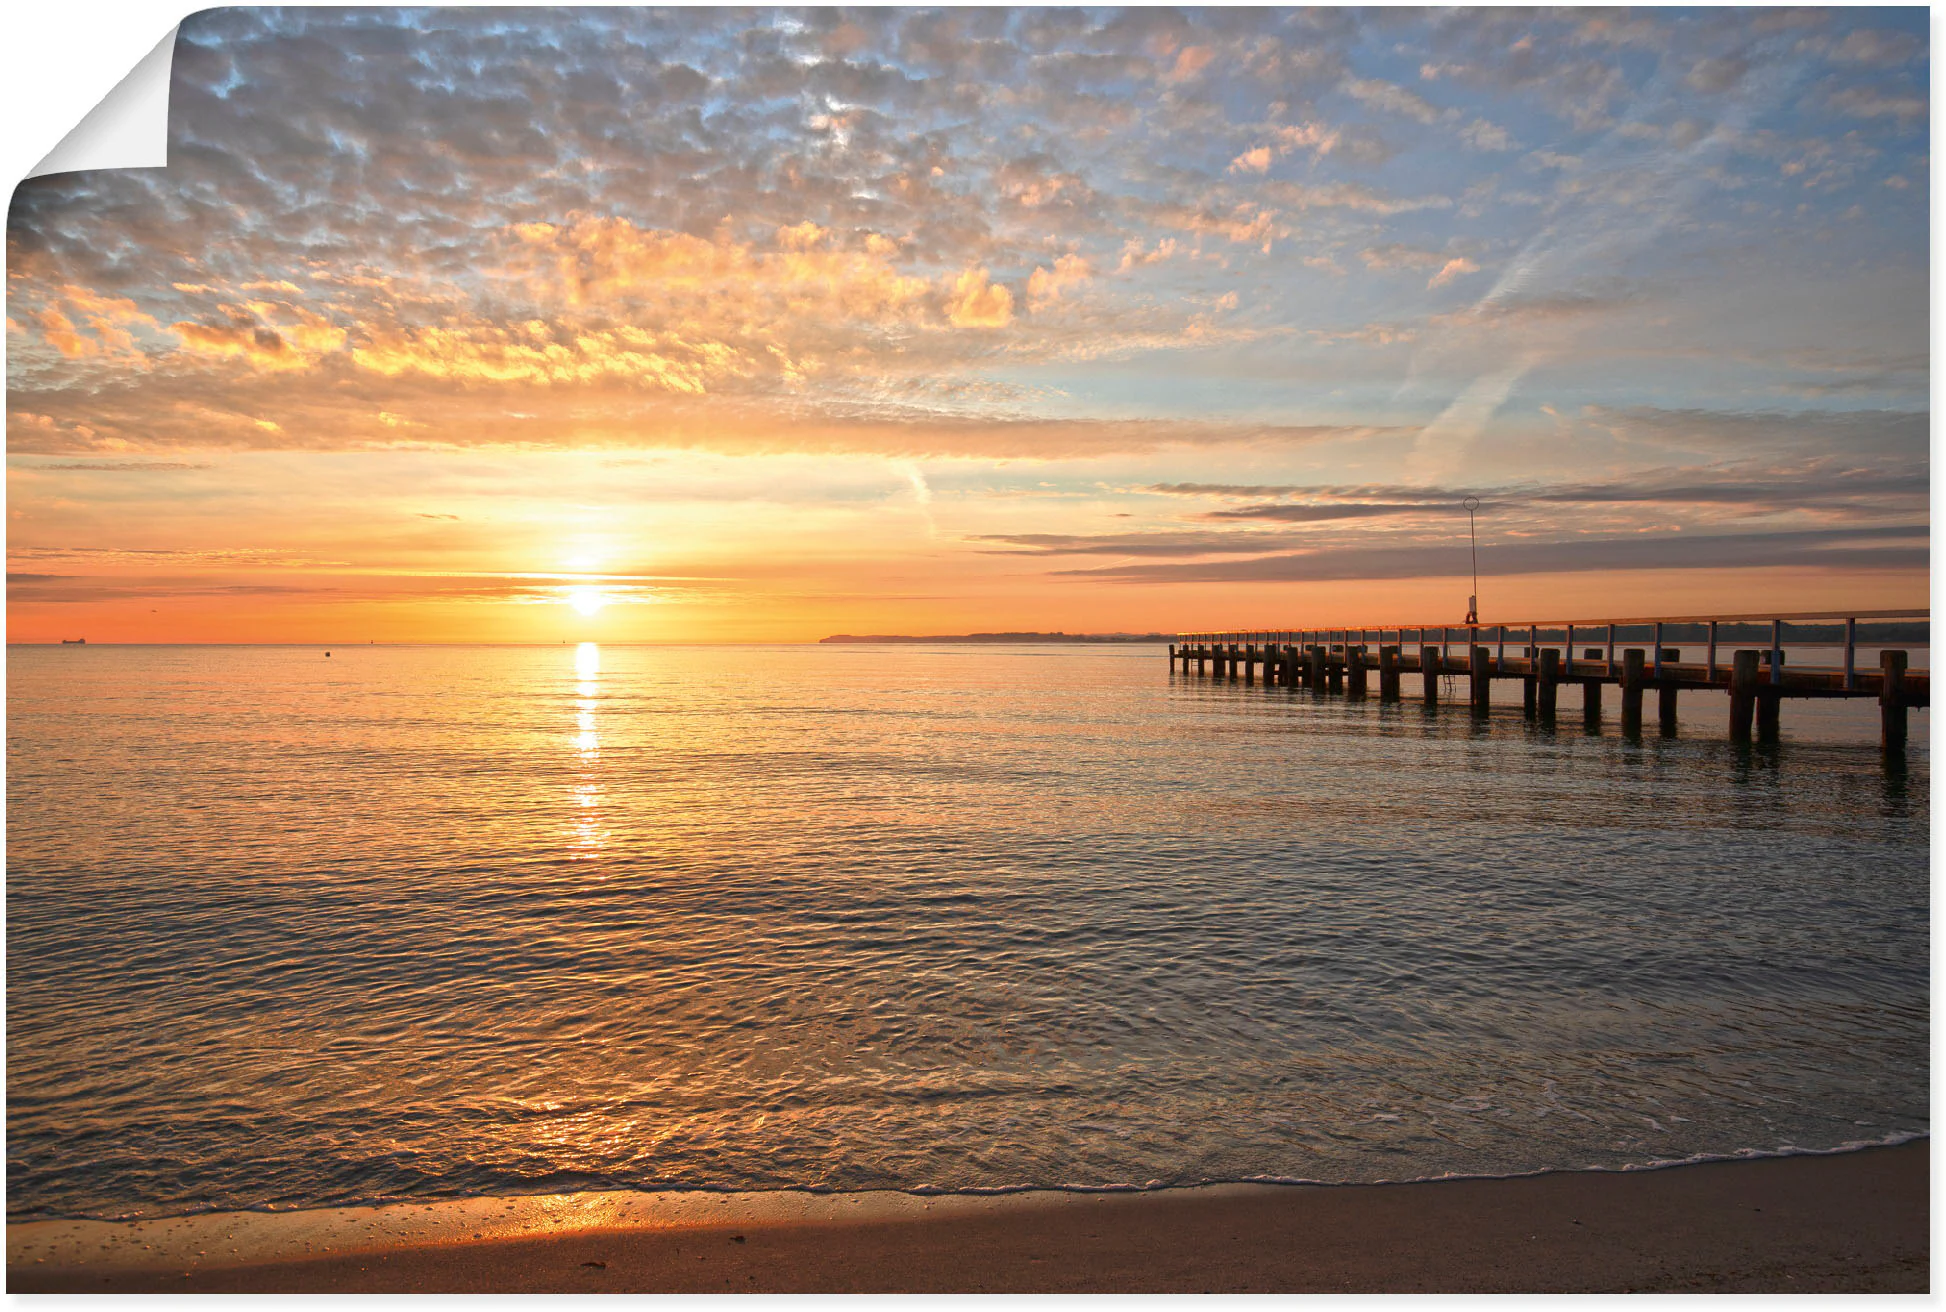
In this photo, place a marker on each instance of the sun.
(585, 599)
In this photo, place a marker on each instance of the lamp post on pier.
(1473, 599)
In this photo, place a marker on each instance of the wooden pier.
(1547, 655)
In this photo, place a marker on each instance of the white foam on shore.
(220, 1239)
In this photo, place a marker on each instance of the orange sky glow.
(702, 327)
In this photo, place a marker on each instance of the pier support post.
(1549, 685)
(1632, 662)
(1665, 710)
(1891, 701)
(1249, 663)
(1527, 688)
(1317, 667)
(1335, 670)
(1431, 658)
(1355, 673)
(1482, 678)
(1202, 660)
(1591, 703)
(1743, 694)
(1388, 673)
(1770, 701)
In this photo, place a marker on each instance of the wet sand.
(1854, 1222)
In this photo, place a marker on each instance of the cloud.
(1255, 160)
(1901, 547)
(1170, 544)
(538, 354)
(270, 337)
(103, 327)
(1393, 99)
(1398, 255)
(1875, 102)
(1190, 63)
(1718, 74)
(1349, 196)
(1821, 484)
(119, 466)
(1453, 268)
(1482, 135)
(976, 303)
(1321, 513)
(1047, 285)
(1853, 432)
(1314, 137)
(1876, 48)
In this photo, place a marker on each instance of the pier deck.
(1715, 654)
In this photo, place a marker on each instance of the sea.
(295, 930)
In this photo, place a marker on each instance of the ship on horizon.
(74, 642)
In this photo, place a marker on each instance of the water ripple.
(417, 923)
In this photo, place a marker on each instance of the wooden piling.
(1431, 658)
(1316, 681)
(1665, 710)
(1743, 694)
(1355, 683)
(1527, 687)
(1891, 701)
(1591, 702)
(1549, 684)
(1769, 703)
(1388, 673)
(1481, 670)
(1632, 662)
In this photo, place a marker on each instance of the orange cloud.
(1252, 161)
(976, 303)
(103, 329)
(535, 353)
(1045, 286)
(269, 337)
(1300, 136)
(593, 261)
(1452, 269)
(1192, 60)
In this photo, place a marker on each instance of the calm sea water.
(421, 922)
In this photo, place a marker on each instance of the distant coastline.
(1004, 637)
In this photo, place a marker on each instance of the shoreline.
(1840, 1221)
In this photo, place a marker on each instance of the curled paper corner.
(129, 129)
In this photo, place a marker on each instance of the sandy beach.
(1855, 1222)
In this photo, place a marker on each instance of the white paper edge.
(129, 129)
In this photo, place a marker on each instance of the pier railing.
(1547, 653)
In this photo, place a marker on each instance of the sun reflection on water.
(589, 834)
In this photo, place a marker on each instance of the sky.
(712, 326)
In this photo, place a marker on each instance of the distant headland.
(1003, 637)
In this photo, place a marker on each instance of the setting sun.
(585, 599)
